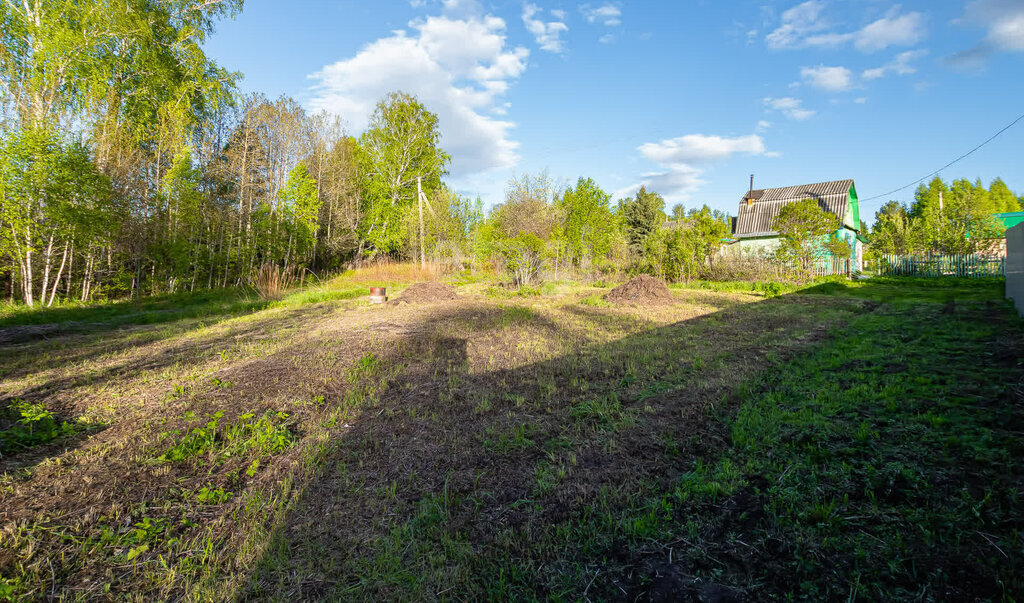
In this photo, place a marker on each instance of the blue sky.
(687, 97)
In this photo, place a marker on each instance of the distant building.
(1008, 220)
(753, 233)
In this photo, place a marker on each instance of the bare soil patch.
(428, 292)
(643, 290)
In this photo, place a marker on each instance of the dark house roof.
(755, 218)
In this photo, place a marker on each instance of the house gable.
(758, 208)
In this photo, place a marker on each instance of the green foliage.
(945, 219)
(266, 435)
(896, 231)
(1002, 199)
(60, 59)
(803, 228)
(523, 257)
(686, 248)
(399, 146)
(48, 188)
(642, 216)
(30, 424)
(300, 204)
(588, 225)
(208, 495)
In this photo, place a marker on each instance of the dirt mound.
(424, 293)
(643, 290)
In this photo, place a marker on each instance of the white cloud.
(1004, 20)
(860, 101)
(684, 160)
(762, 126)
(606, 14)
(698, 148)
(558, 14)
(546, 33)
(832, 79)
(606, 38)
(898, 66)
(788, 106)
(797, 23)
(1004, 24)
(462, 8)
(679, 182)
(457, 67)
(892, 30)
(803, 26)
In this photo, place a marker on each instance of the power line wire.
(964, 156)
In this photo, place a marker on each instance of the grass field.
(853, 440)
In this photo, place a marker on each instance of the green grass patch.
(880, 463)
(907, 289)
(148, 310)
(597, 301)
(262, 436)
(516, 315)
(28, 424)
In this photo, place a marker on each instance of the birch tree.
(400, 146)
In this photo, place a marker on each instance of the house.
(753, 233)
(1008, 220)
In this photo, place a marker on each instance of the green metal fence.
(941, 265)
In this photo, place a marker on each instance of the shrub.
(523, 257)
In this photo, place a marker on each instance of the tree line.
(956, 218)
(130, 165)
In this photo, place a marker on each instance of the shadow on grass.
(566, 477)
(511, 482)
(582, 475)
(913, 289)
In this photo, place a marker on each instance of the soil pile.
(643, 290)
(425, 293)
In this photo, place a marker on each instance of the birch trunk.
(60, 271)
(47, 256)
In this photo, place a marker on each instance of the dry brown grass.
(386, 271)
(271, 281)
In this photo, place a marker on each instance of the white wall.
(1015, 266)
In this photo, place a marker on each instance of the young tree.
(895, 232)
(300, 205)
(523, 227)
(400, 146)
(642, 216)
(588, 226)
(706, 229)
(803, 228)
(1002, 198)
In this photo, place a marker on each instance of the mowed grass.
(851, 440)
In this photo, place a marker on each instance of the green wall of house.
(853, 210)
